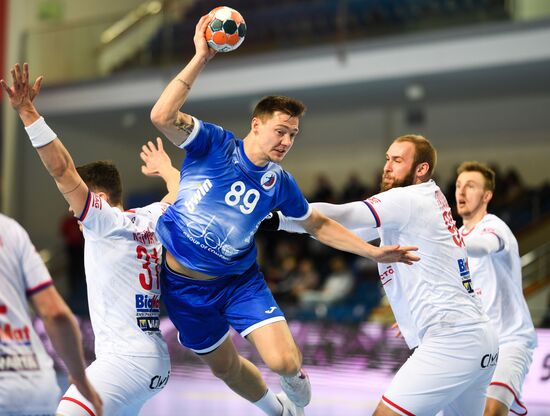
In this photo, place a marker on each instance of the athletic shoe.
(289, 408)
(297, 388)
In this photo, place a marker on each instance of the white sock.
(270, 404)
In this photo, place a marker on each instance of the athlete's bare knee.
(286, 363)
(495, 408)
(227, 370)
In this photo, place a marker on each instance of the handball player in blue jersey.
(211, 280)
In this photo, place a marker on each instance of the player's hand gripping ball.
(226, 30)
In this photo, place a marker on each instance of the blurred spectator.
(515, 190)
(338, 285)
(298, 278)
(324, 191)
(74, 251)
(354, 189)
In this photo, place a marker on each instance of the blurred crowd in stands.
(294, 23)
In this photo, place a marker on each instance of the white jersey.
(437, 289)
(122, 258)
(24, 363)
(496, 278)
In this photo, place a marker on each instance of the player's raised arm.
(54, 155)
(157, 163)
(333, 234)
(165, 115)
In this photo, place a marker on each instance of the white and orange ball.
(226, 30)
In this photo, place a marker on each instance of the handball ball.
(226, 30)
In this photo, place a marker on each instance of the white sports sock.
(269, 404)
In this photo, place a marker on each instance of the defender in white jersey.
(122, 261)
(496, 269)
(27, 376)
(433, 300)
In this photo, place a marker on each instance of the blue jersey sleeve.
(205, 139)
(293, 203)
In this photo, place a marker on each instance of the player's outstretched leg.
(278, 350)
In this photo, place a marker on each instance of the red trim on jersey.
(464, 233)
(38, 288)
(78, 402)
(3, 309)
(131, 211)
(374, 213)
(520, 404)
(86, 206)
(397, 406)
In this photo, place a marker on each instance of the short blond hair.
(487, 173)
(424, 152)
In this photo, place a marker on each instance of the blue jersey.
(221, 201)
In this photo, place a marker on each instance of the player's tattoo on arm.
(183, 126)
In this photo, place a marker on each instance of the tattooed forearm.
(183, 126)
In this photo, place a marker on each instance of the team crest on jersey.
(268, 180)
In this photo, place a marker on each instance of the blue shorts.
(203, 310)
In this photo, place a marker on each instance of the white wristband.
(40, 133)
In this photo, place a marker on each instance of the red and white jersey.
(435, 291)
(22, 274)
(122, 257)
(496, 278)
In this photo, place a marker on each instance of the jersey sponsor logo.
(387, 275)
(202, 190)
(147, 312)
(17, 336)
(149, 324)
(19, 362)
(207, 239)
(268, 180)
(158, 382)
(464, 271)
(489, 360)
(271, 310)
(147, 303)
(3, 309)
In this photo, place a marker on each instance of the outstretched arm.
(54, 155)
(165, 115)
(63, 331)
(483, 245)
(158, 163)
(355, 216)
(335, 235)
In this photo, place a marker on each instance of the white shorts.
(514, 361)
(450, 371)
(124, 383)
(29, 393)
